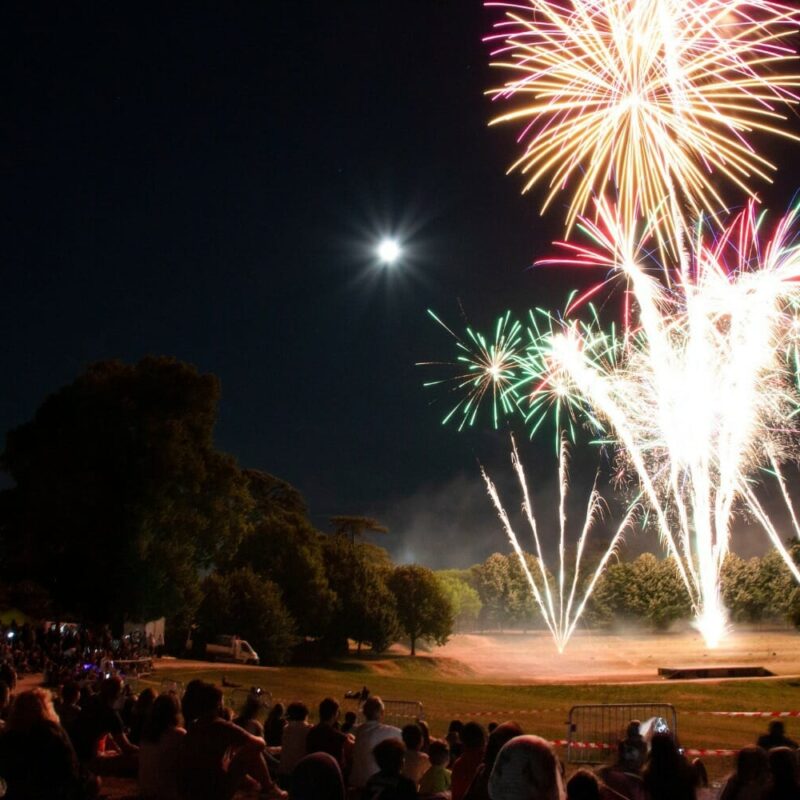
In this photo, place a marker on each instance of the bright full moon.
(388, 251)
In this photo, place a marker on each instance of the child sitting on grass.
(437, 779)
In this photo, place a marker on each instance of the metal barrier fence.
(238, 697)
(593, 731)
(396, 712)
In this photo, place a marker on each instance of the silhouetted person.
(783, 766)
(776, 737)
(751, 777)
(667, 775)
(479, 788)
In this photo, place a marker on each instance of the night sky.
(209, 184)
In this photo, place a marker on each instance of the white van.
(228, 648)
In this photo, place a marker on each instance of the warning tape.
(759, 714)
(522, 711)
(604, 746)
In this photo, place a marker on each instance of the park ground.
(522, 677)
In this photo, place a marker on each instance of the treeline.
(123, 509)
(646, 591)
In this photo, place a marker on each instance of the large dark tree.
(240, 603)
(423, 609)
(365, 607)
(120, 495)
(285, 548)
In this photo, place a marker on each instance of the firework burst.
(645, 99)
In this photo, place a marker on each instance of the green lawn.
(540, 709)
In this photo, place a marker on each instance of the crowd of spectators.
(194, 748)
(67, 652)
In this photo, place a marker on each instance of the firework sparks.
(560, 601)
(483, 369)
(697, 397)
(646, 98)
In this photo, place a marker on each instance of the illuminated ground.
(630, 657)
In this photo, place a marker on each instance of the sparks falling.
(649, 100)
(560, 598)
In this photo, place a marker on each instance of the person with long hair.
(160, 744)
(751, 777)
(37, 759)
(479, 788)
(783, 766)
(667, 774)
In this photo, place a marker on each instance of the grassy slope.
(447, 692)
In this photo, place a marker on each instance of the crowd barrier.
(594, 730)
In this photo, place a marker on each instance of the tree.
(355, 527)
(285, 548)
(365, 609)
(242, 604)
(120, 496)
(423, 609)
(464, 600)
(646, 590)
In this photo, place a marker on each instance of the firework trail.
(647, 99)
(559, 599)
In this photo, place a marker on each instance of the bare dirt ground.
(521, 658)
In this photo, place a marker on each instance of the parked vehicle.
(222, 648)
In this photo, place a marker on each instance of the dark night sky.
(208, 183)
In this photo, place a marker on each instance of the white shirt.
(367, 736)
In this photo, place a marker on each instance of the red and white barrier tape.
(523, 711)
(760, 714)
(692, 751)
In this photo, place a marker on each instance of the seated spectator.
(635, 745)
(776, 737)
(526, 769)
(350, 719)
(324, 737)
(466, 765)
(426, 734)
(479, 788)
(583, 785)
(702, 788)
(437, 779)
(216, 757)
(453, 738)
(751, 777)
(490, 728)
(293, 742)
(190, 701)
(248, 716)
(387, 783)
(622, 778)
(37, 760)
(274, 725)
(5, 702)
(158, 751)
(100, 739)
(783, 766)
(667, 774)
(69, 708)
(317, 777)
(416, 762)
(8, 674)
(140, 711)
(368, 735)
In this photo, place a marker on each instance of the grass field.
(450, 689)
